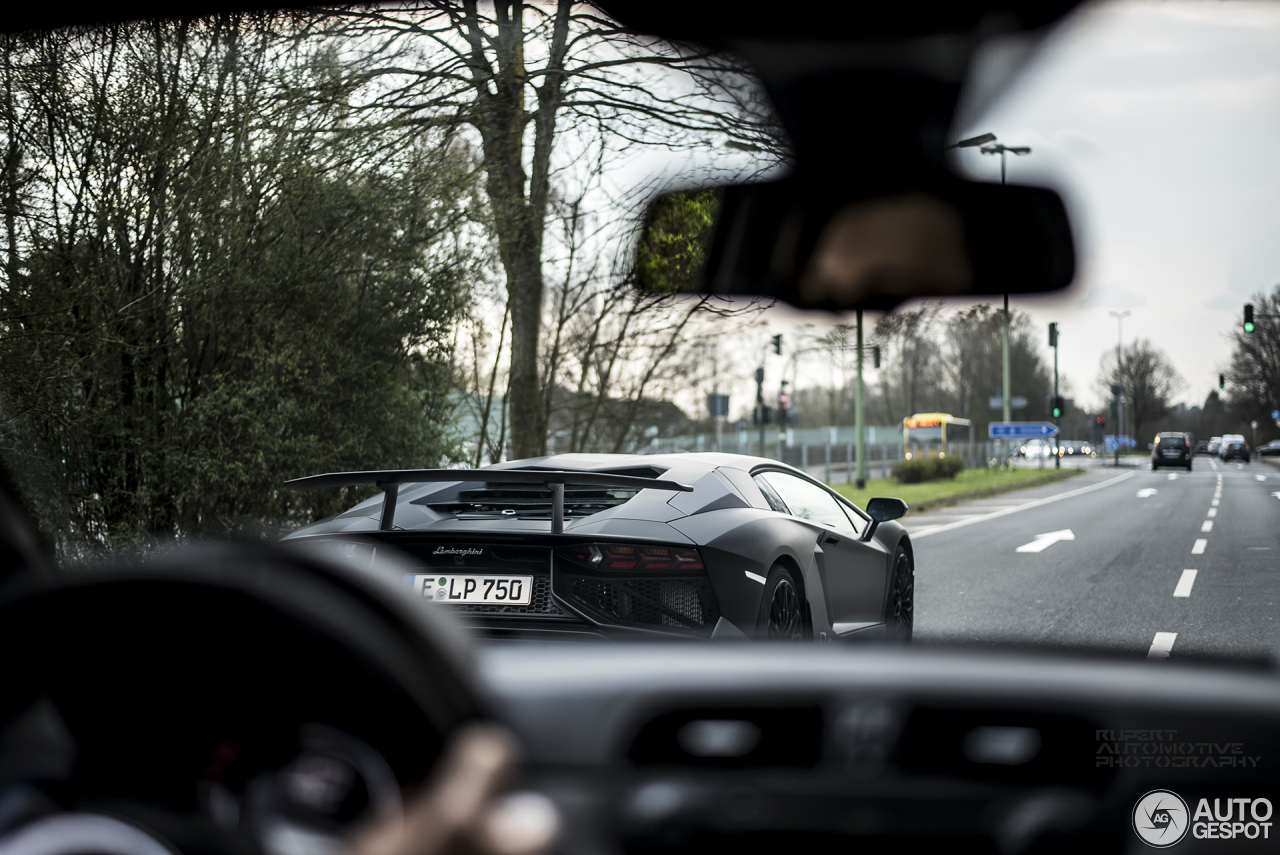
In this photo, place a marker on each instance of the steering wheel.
(220, 699)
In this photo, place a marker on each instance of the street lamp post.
(1119, 316)
(990, 146)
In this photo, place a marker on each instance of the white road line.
(938, 529)
(1184, 584)
(1161, 645)
(1215, 502)
(1277, 495)
(1206, 526)
(1259, 477)
(1213, 512)
(1147, 492)
(1173, 476)
(1198, 549)
(1211, 463)
(1044, 541)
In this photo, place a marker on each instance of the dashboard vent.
(731, 738)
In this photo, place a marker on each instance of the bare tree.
(1255, 363)
(1149, 382)
(525, 76)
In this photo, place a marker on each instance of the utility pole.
(1006, 412)
(1119, 316)
(760, 401)
(1053, 341)
(860, 428)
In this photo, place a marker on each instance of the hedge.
(927, 469)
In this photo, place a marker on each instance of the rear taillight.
(629, 556)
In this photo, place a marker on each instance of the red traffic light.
(1100, 420)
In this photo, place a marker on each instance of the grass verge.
(969, 484)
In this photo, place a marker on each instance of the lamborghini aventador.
(712, 545)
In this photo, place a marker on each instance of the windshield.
(247, 249)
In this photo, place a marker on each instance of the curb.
(990, 491)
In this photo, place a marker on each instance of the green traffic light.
(1248, 327)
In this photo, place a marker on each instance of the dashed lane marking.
(1260, 477)
(1187, 579)
(1173, 476)
(1215, 467)
(1147, 492)
(1215, 502)
(1213, 512)
(1161, 645)
(1198, 549)
(1206, 526)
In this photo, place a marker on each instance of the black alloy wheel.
(900, 614)
(783, 608)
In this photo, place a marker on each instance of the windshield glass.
(247, 249)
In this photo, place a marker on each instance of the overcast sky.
(1159, 123)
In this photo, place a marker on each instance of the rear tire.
(899, 617)
(782, 612)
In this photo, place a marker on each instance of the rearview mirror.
(815, 249)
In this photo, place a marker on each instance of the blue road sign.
(1020, 430)
(1275, 415)
(1117, 442)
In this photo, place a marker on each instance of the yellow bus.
(929, 428)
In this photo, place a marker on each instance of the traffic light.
(1222, 381)
(777, 344)
(1059, 407)
(875, 356)
(1053, 335)
(1248, 317)
(1100, 421)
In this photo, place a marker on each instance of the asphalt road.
(1170, 562)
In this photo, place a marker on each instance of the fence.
(835, 462)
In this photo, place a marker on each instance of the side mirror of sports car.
(881, 510)
(884, 509)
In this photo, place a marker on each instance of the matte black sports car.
(709, 545)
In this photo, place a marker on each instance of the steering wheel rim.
(358, 604)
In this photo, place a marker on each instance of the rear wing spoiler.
(389, 481)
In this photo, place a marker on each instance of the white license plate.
(468, 588)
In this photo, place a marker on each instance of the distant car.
(1236, 451)
(1215, 444)
(1037, 448)
(1202, 447)
(1227, 440)
(1171, 449)
(1271, 449)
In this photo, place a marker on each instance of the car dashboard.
(674, 748)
